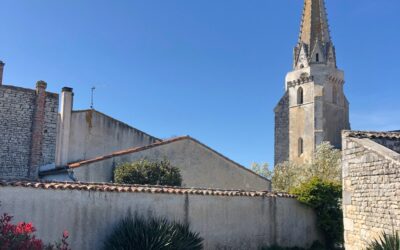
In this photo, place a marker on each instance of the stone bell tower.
(314, 108)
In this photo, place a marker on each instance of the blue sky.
(212, 69)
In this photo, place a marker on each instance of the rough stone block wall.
(371, 191)
(17, 108)
(50, 129)
(282, 130)
(16, 111)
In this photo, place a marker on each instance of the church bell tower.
(314, 108)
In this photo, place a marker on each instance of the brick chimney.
(37, 130)
(67, 96)
(1, 72)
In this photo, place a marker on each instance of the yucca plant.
(386, 242)
(139, 233)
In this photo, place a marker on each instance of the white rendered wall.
(224, 222)
(200, 167)
(94, 134)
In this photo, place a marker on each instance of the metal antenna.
(91, 102)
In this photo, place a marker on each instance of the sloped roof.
(157, 144)
(119, 188)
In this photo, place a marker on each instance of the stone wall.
(225, 219)
(50, 129)
(371, 187)
(392, 143)
(200, 166)
(282, 130)
(18, 107)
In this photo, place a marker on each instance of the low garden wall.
(225, 219)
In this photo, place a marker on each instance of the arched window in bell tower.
(300, 146)
(317, 57)
(300, 96)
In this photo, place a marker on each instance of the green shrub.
(325, 198)
(148, 172)
(386, 242)
(152, 234)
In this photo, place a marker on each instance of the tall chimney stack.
(37, 130)
(1, 72)
(67, 96)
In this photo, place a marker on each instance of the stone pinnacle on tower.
(314, 43)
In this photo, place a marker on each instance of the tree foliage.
(325, 197)
(148, 172)
(285, 177)
(262, 170)
(326, 166)
(317, 184)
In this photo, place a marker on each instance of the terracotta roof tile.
(119, 188)
(372, 135)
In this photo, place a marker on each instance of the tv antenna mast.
(92, 98)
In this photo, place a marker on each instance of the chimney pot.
(67, 89)
(1, 72)
(41, 85)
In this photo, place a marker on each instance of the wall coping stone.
(51, 94)
(372, 135)
(120, 188)
(378, 148)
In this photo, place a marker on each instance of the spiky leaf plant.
(139, 233)
(386, 242)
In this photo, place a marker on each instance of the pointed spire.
(314, 34)
(314, 25)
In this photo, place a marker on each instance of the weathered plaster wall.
(224, 222)
(371, 191)
(17, 108)
(200, 167)
(94, 134)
